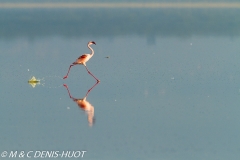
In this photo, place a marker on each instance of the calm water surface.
(170, 89)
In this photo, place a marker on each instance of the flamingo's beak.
(93, 42)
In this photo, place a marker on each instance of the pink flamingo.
(83, 60)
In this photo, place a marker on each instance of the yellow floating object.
(33, 81)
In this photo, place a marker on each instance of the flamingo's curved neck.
(91, 50)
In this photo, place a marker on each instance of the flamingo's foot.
(65, 77)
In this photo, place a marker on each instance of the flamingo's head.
(91, 42)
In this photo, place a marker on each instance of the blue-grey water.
(170, 83)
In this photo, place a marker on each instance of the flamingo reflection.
(84, 104)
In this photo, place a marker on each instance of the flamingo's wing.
(83, 56)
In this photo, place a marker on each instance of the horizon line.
(42, 5)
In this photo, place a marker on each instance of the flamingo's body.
(83, 60)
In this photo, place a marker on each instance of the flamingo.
(84, 104)
(83, 60)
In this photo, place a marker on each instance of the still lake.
(170, 82)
